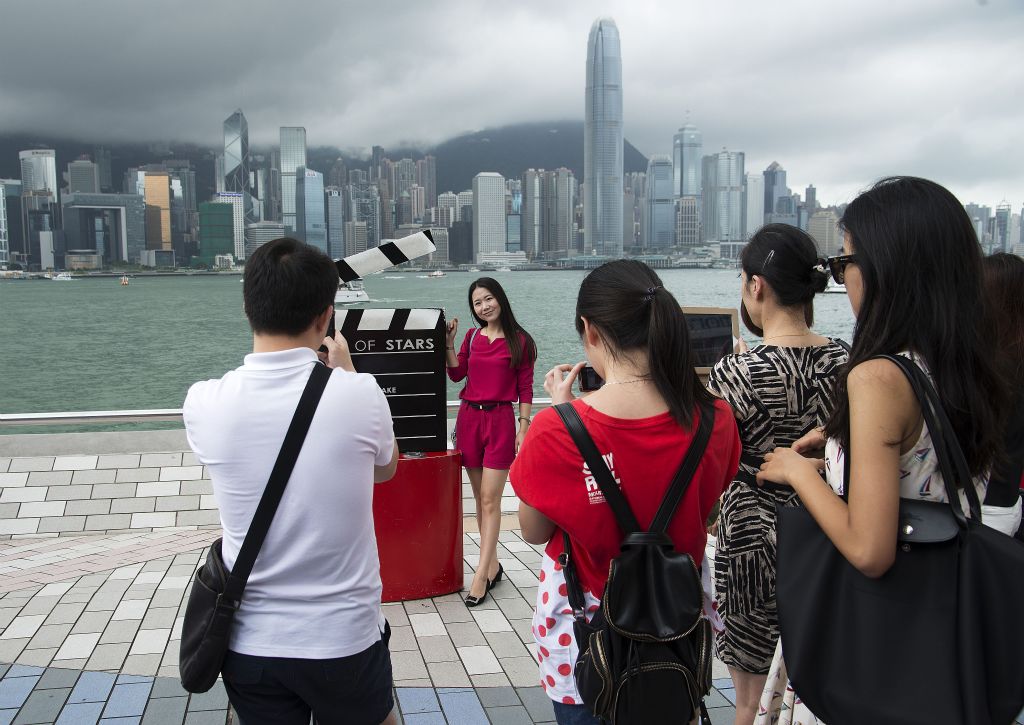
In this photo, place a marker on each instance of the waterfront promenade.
(99, 537)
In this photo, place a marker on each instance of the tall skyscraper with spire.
(293, 156)
(603, 142)
(687, 155)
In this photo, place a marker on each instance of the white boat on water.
(835, 289)
(62, 277)
(350, 292)
(436, 273)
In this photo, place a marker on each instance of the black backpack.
(645, 657)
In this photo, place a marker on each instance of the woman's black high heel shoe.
(472, 601)
(491, 583)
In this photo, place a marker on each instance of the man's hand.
(338, 355)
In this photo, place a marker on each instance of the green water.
(94, 345)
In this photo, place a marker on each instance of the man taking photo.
(309, 636)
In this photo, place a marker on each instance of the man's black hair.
(287, 284)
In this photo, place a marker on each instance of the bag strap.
(684, 476)
(952, 464)
(274, 490)
(612, 494)
(952, 461)
(571, 418)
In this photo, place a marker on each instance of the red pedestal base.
(418, 518)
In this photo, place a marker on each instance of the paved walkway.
(91, 626)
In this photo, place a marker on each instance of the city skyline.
(840, 98)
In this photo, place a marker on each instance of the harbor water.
(94, 344)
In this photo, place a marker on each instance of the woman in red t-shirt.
(642, 421)
(496, 360)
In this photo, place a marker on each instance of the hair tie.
(819, 266)
(650, 293)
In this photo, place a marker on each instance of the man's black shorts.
(354, 690)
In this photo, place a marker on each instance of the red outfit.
(490, 379)
(643, 455)
(488, 437)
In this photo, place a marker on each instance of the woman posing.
(912, 269)
(779, 391)
(496, 360)
(642, 421)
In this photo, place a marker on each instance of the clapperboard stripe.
(381, 342)
(386, 255)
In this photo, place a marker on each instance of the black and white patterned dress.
(778, 395)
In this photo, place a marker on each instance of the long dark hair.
(786, 257)
(630, 309)
(920, 263)
(512, 329)
(1003, 279)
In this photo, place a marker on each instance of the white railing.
(156, 415)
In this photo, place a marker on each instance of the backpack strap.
(612, 494)
(684, 476)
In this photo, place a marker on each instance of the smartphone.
(589, 379)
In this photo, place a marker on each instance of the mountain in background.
(508, 150)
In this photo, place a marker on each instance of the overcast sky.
(840, 92)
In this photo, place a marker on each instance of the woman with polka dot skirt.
(642, 421)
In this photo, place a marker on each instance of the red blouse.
(488, 375)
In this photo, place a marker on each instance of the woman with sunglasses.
(912, 270)
(779, 390)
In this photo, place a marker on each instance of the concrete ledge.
(64, 444)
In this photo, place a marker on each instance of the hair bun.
(819, 276)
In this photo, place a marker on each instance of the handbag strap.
(952, 464)
(952, 461)
(279, 476)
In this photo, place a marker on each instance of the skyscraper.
(5, 247)
(335, 221)
(83, 176)
(364, 207)
(157, 187)
(687, 152)
(753, 204)
(823, 227)
(38, 171)
(310, 215)
(488, 214)
(723, 196)
(426, 175)
(603, 142)
(661, 212)
(293, 155)
(778, 199)
(234, 198)
(236, 162)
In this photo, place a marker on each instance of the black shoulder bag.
(937, 639)
(216, 592)
(645, 656)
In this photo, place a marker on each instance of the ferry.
(835, 289)
(436, 273)
(350, 292)
(62, 277)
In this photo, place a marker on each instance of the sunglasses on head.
(837, 266)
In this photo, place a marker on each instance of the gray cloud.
(839, 93)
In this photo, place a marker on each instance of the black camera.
(589, 379)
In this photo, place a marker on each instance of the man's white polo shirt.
(315, 590)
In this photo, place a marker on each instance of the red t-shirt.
(490, 378)
(643, 455)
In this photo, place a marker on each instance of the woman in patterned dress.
(779, 390)
(912, 269)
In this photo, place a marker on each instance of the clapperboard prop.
(389, 254)
(377, 259)
(404, 350)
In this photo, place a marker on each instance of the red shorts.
(486, 437)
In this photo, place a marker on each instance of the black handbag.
(645, 656)
(937, 639)
(216, 592)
